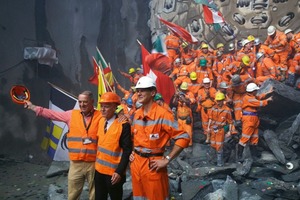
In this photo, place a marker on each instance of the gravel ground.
(23, 180)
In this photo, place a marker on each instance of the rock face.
(73, 29)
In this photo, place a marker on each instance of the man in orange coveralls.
(152, 127)
(250, 120)
(219, 118)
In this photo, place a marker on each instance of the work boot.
(211, 155)
(255, 153)
(220, 161)
(239, 153)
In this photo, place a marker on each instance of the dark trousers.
(103, 187)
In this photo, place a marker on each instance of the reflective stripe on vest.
(77, 134)
(109, 152)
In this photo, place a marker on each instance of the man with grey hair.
(82, 141)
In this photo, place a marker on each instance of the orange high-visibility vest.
(109, 151)
(78, 134)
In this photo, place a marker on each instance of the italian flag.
(212, 16)
(106, 70)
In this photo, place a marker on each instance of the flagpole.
(106, 82)
(139, 42)
(103, 77)
(72, 95)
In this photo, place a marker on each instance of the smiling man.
(152, 128)
(114, 148)
(82, 141)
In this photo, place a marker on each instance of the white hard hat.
(251, 87)
(177, 60)
(259, 55)
(271, 30)
(257, 41)
(145, 82)
(245, 41)
(206, 80)
(288, 31)
(231, 47)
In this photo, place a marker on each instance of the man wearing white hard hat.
(206, 100)
(250, 120)
(176, 67)
(152, 127)
(277, 40)
(246, 50)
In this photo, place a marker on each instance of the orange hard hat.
(19, 93)
(110, 97)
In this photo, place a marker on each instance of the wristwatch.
(168, 158)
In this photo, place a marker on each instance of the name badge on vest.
(86, 140)
(154, 136)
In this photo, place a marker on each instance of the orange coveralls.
(295, 69)
(188, 57)
(219, 118)
(185, 119)
(268, 52)
(206, 101)
(194, 86)
(238, 92)
(181, 75)
(209, 56)
(218, 69)
(281, 46)
(265, 69)
(250, 120)
(202, 72)
(173, 46)
(150, 134)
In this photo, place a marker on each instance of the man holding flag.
(82, 141)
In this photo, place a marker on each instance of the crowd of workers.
(220, 85)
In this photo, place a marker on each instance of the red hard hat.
(19, 93)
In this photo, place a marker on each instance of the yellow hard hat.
(131, 70)
(184, 44)
(119, 109)
(251, 38)
(246, 60)
(184, 86)
(204, 45)
(219, 45)
(220, 96)
(193, 76)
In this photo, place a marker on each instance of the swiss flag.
(164, 84)
(179, 31)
